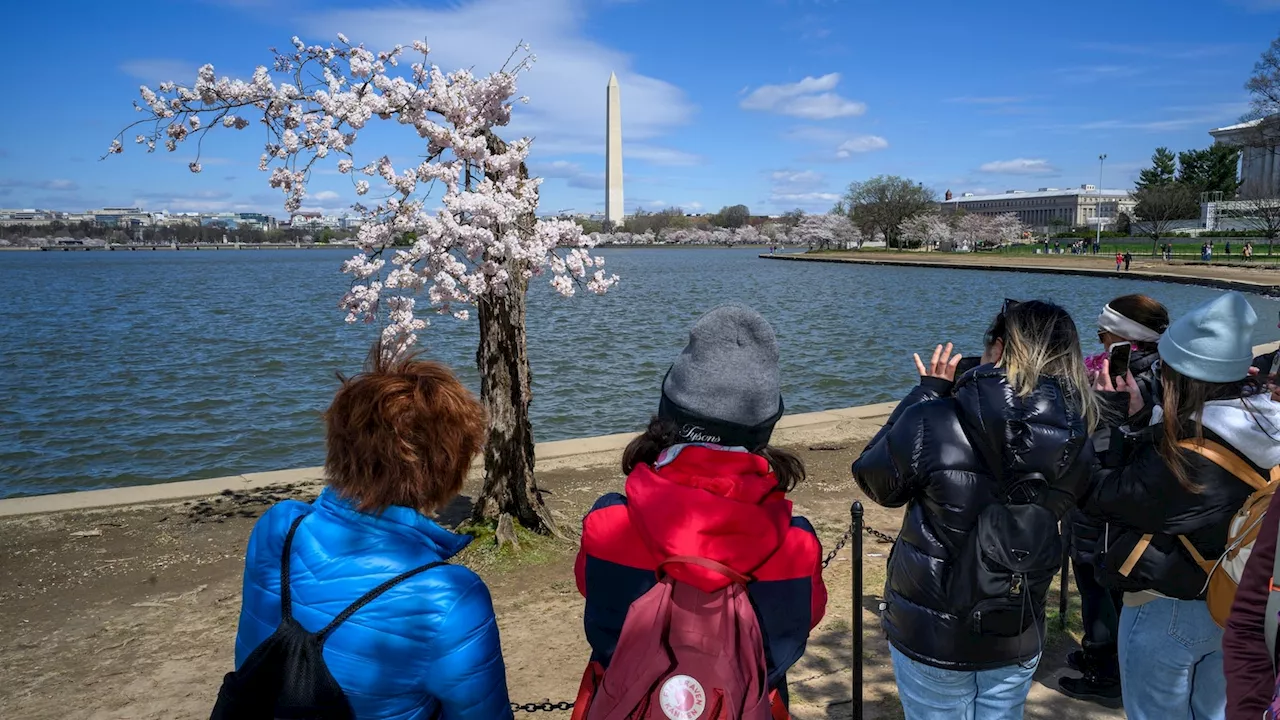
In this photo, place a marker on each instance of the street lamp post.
(1097, 212)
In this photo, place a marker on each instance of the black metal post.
(1062, 587)
(856, 567)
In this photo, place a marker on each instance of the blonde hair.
(1040, 340)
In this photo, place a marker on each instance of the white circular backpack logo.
(682, 698)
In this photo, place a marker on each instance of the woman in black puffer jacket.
(1139, 320)
(986, 466)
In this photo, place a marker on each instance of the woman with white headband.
(1141, 321)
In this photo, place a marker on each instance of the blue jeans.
(1171, 662)
(930, 693)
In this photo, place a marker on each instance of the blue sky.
(772, 103)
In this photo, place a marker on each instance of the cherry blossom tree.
(1006, 229)
(824, 232)
(479, 244)
(928, 230)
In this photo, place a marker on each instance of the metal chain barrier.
(879, 535)
(839, 546)
(548, 706)
(544, 706)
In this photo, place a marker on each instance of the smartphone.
(1118, 355)
(966, 364)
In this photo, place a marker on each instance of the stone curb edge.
(184, 489)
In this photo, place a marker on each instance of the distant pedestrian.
(1119, 261)
(1228, 248)
(1128, 258)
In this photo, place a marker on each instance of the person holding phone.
(1000, 453)
(1167, 497)
(1129, 328)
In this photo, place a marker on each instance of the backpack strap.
(371, 596)
(1224, 458)
(1231, 462)
(735, 576)
(286, 595)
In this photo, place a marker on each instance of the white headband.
(1117, 324)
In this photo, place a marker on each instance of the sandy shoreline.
(130, 611)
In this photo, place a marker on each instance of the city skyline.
(1031, 105)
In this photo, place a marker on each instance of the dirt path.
(131, 613)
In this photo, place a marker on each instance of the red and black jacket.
(716, 504)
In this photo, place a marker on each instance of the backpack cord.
(371, 596)
(286, 596)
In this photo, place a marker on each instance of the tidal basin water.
(129, 368)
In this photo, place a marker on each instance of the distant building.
(1259, 166)
(26, 217)
(313, 220)
(120, 217)
(1048, 207)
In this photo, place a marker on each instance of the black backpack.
(285, 677)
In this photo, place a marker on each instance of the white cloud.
(803, 178)
(325, 196)
(800, 188)
(1018, 166)
(805, 201)
(658, 155)
(810, 98)
(572, 173)
(647, 205)
(566, 86)
(861, 144)
(58, 185)
(1097, 73)
(1175, 118)
(158, 70)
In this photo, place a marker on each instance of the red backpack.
(684, 654)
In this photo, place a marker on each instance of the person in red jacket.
(703, 481)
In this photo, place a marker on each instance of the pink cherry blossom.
(471, 213)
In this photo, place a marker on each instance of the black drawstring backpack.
(285, 677)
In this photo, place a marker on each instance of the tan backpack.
(1224, 572)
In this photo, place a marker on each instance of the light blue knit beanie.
(1213, 342)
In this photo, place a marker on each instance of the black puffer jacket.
(1134, 493)
(933, 456)
(1087, 532)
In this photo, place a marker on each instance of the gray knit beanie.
(725, 388)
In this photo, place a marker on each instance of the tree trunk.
(510, 490)
(502, 359)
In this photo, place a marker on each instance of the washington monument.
(613, 155)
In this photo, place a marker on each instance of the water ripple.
(132, 368)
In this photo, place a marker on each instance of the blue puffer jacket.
(427, 649)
